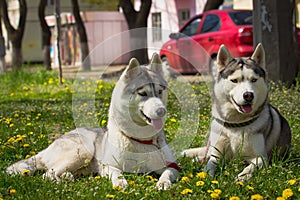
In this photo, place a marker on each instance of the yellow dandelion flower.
(110, 196)
(240, 183)
(48, 108)
(234, 198)
(173, 120)
(131, 183)
(29, 124)
(12, 94)
(201, 175)
(16, 115)
(27, 156)
(185, 179)
(287, 193)
(11, 140)
(215, 195)
(186, 191)
(117, 188)
(292, 182)
(12, 191)
(103, 122)
(200, 183)
(299, 189)
(8, 120)
(250, 188)
(257, 197)
(227, 173)
(192, 95)
(151, 178)
(32, 152)
(97, 177)
(215, 182)
(100, 86)
(11, 125)
(106, 105)
(30, 133)
(25, 172)
(25, 88)
(210, 191)
(26, 145)
(218, 191)
(280, 198)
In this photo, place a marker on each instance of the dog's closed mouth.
(156, 123)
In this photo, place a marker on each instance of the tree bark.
(2, 49)
(212, 4)
(15, 35)
(46, 35)
(85, 59)
(137, 24)
(274, 27)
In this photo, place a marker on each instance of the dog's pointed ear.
(259, 56)
(133, 69)
(223, 57)
(156, 64)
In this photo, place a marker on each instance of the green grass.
(35, 109)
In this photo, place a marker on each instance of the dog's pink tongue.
(157, 123)
(247, 108)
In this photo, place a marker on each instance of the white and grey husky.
(133, 142)
(244, 123)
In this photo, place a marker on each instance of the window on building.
(50, 2)
(156, 27)
(183, 16)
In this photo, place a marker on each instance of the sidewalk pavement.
(71, 71)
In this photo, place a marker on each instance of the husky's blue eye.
(253, 80)
(234, 80)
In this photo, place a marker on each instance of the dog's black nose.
(248, 96)
(161, 112)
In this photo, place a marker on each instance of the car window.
(211, 23)
(192, 27)
(241, 18)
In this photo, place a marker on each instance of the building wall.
(99, 27)
(169, 18)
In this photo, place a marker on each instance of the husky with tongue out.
(244, 123)
(134, 141)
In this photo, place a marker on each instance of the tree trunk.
(15, 35)
(46, 35)
(137, 24)
(275, 29)
(2, 49)
(212, 4)
(85, 59)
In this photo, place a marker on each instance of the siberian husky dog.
(244, 123)
(134, 141)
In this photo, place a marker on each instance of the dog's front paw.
(242, 177)
(163, 184)
(120, 183)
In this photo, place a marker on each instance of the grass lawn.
(35, 109)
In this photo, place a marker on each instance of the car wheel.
(213, 67)
(167, 70)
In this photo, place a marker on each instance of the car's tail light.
(245, 35)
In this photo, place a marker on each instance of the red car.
(194, 48)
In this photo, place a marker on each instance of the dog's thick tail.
(27, 166)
